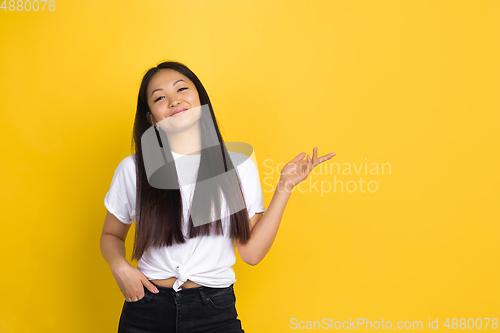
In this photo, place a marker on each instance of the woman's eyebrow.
(162, 88)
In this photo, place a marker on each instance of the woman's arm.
(112, 243)
(264, 230)
(130, 280)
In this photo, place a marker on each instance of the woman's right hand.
(131, 282)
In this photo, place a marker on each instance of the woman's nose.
(175, 103)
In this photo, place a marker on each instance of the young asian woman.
(184, 278)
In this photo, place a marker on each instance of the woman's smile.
(176, 113)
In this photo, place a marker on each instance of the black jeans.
(189, 310)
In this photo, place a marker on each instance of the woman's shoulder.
(130, 160)
(240, 160)
(127, 164)
(245, 166)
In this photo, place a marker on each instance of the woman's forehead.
(166, 76)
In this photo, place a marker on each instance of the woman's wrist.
(118, 264)
(282, 187)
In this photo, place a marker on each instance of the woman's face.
(169, 91)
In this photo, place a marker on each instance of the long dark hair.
(159, 212)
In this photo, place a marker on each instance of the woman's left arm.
(264, 228)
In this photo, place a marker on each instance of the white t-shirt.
(206, 260)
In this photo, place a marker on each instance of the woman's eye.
(156, 100)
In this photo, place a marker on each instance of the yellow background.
(410, 83)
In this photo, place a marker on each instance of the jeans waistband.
(188, 293)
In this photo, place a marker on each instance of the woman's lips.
(178, 112)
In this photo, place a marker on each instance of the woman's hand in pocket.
(131, 282)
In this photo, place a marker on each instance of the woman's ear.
(151, 119)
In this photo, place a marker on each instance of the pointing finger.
(326, 157)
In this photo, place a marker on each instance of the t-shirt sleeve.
(120, 199)
(252, 189)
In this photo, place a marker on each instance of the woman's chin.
(178, 124)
